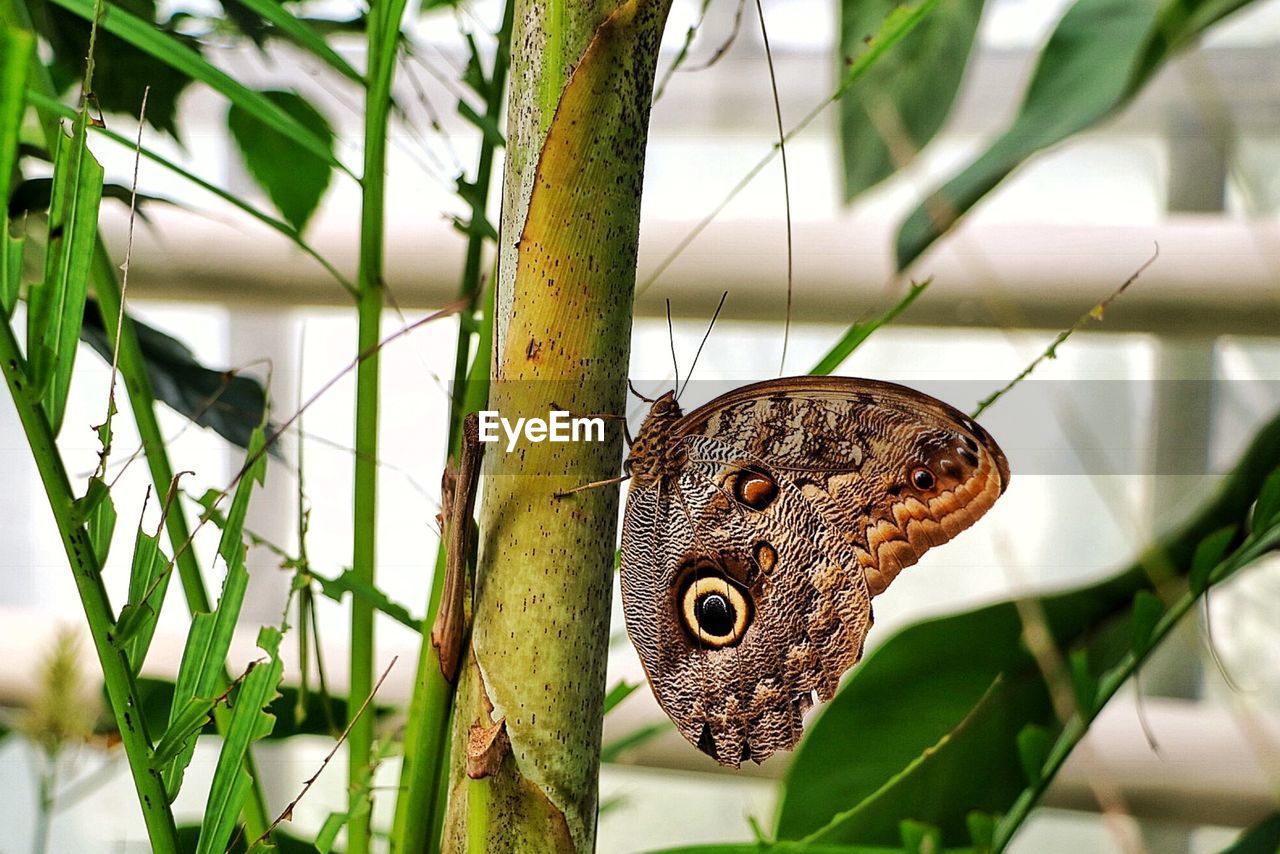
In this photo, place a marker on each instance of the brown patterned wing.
(757, 530)
(895, 471)
(740, 615)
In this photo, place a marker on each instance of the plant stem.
(137, 383)
(383, 30)
(423, 773)
(581, 87)
(121, 689)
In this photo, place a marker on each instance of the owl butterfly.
(759, 527)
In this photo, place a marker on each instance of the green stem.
(383, 29)
(137, 382)
(476, 237)
(133, 371)
(423, 774)
(118, 677)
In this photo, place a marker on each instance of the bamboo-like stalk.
(582, 78)
(121, 689)
(383, 31)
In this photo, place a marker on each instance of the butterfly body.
(759, 526)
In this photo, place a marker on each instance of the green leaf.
(317, 715)
(1100, 55)
(912, 792)
(638, 736)
(121, 71)
(621, 690)
(1267, 511)
(1034, 744)
(1209, 553)
(178, 55)
(294, 180)
(300, 32)
(52, 107)
(250, 721)
(1262, 838)
(915, 686)
(137, 623)
(349, 582)
(232, 405)
(56, 305)
(16, 48)
(1147, 611)
(486, 125)
(1083, 683)
(895, 109)
(919, 838)
(209, 638)
(101, 520)
(982, 831)
(186, 723)
(859, 332)
(327, 836)
(11, 251)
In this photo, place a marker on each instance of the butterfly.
(759, 527)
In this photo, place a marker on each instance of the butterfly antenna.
(786, 182)
(671, 337)
(724, 296)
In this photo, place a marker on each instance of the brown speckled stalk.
(582, 78)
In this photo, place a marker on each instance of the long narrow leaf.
(859, 332)
(1100, 55)
(249, 722)
(144, 36)
(15, 59)
(895, 110)
(138, 618)
(209, 638)
(303, 35)
(56, 305)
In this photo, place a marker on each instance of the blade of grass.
(209, 639)
(138, 618)
(16, 50)
(146, 37)
(121, 689)
(859, 332)
(250, 721)
(132, 366)
(55, 307)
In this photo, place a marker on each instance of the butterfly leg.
(458, 507)
(594, 485)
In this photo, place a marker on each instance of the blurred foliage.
(63, 708)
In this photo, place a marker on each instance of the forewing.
(895, 471)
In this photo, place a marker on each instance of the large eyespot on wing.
(940, 481)
(741, 603)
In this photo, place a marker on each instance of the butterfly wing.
(894, 470)
(749, 565)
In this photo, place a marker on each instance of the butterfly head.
(649, 450)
